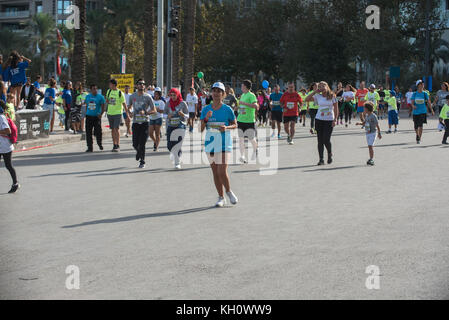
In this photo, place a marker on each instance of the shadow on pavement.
(270, 169)
(138, 217)
(336, 168)
(387, 145)
(75, 173)
(419, 146)
(158, 170)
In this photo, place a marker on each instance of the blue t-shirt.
(3, 97)
(67, 96)
(17, 75)
(5, 74)
(93, 104)
(420, 99)
(49, 92)
(37, 85)
(276, 101)
(217, 141)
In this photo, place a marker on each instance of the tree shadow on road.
(139, 217)
(274, 169)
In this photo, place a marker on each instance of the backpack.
(13, 128)
(109, 92)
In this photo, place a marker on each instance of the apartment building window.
(63, 5)
(447, 4)
(38, 7)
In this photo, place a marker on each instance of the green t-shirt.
(10, 111)
(247, 114)
(392, 103)
(115, 100)
(374, 98)
(312, 104)
(80, 98)
(444, 114)
(304, 104)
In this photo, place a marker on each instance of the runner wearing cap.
(177, 114)
(291, 102)
(373, 96)
(420, 104)
(218, 119)
(116, 104)
(156, 118)
(246, 119)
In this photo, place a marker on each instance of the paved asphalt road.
(305, 232)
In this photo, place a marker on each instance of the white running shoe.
(178, 166)
(273, 135)
(232, 198)
(221, 202)
(243, 160)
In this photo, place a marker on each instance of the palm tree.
(176, 50)
(189, 41)
(10, 40)
(43, 26)
(148, 43)
(96, 20)
(68, 35)
(79, 49)
(120, 13)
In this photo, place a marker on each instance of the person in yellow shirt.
(116, 105)
(444, 119)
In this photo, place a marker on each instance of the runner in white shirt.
(156, 119)
(192, 103)
(408, 96)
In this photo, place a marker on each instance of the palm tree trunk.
(148, 42)
(42, 63)
(97, 71)
(79, 50)
(189, 42)
(176, 51)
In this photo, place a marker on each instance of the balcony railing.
(15, 14)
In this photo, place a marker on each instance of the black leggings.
(262, 115)
(8, 164)
(324, 132)
(312, 113)
(67, 120)
(446, 133)
(348, 109)
(140, 137)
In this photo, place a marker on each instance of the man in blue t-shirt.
(37, 83)
(420, 104)
(276, 110)
(95, 103)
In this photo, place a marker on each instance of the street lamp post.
(160, 43)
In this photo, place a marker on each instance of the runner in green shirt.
(303, 109)
(247, 119)
(312, 108)
(444, 119)
(115, 101)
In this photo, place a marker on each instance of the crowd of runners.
(218, 112)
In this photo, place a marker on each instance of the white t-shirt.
(192, 100)
(409, 95)
(159, 104)
(5, 144)
(127, 96)
(348, 94)
(325, 107)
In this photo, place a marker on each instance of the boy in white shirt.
(192, 103)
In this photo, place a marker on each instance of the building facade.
(15, 14)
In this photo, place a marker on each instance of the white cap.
(418, 82)
(157, 89)
(219, 85)
(372, 86)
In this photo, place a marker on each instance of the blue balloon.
(265, 84)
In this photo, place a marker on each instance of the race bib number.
(175, 121)
(419, 101)
(290, 105)
(92, 106)
(242, 111)
(325, 112)
(215, 126)
(112, 101)
(276, 103)
(226, 101)
(140, 118)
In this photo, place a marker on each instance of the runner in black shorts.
(276, 111)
